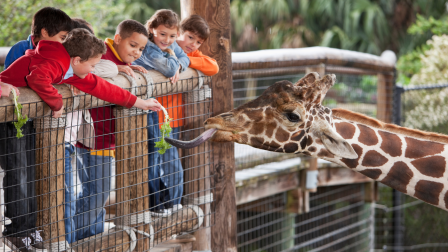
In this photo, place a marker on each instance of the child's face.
(164, 36)
(57, 38)
(131, 48)
(189, 42)
(82, 69)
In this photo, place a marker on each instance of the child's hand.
(7, 89)
(127, 70)
(75, 90)
(57, 114)
(139, 68)
(175, 78)
(150, 104)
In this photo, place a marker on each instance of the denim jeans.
(166, 175)
(17, 158)
(94, 172)
(70, 195)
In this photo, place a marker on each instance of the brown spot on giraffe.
(312, 149)
(255, 115)
(280, 101)
(346, 130)
(274, 144)
(398, 177)
(318, 141)
(297, 136)
(270, 127)
(391, 144)
(353, 163)
(257, 129)
(446, 199)
(373, 159)
(325, 153)
(281, 135)
(372, 173)
(313, 112)
(291, 147)
(367, 136)
(257, 141)
(303, 142)
(430, 166)
(309, 141)
(244, 138)
(308, 124)
(417, 148)
(428, 191)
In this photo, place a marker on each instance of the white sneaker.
(162, 213)
(176, 208)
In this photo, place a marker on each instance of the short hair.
(80, 42)
(129, 26)
(164, 17)
(51, 19)
(81, 23)
(197, 25)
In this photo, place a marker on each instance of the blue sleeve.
(152, 59)
(182, 57)
(16, 51)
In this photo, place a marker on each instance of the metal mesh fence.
(94, 179)
(339, 219)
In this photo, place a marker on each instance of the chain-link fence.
(93, 179)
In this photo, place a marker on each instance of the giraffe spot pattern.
(313, 112)
(346, 130)
(306, 153)
(255, 115)
(391, 144)
(291, 147)
(352, 163)
(244, 138)
(318, 141)
(325, 153)
(446, 200)
(372, 173)
(303, 143)
(297, 136)
(274, 144)
(373, 159)
(417, 148)
(367, 135)
(430, 166)
(309, 141)
(312, 149)
(398, 177)
(270, 127)
(428, 191)
(257, 129)
(257, 142)
(281, 135)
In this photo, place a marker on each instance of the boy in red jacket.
(49, 62)
(128, 43)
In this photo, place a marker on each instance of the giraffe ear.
(337, 145)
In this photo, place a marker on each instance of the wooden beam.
(218, 46)
(385, 94)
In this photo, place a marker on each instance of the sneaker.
(36, 240)
(20, 244)
(176, 208)
(161, 213)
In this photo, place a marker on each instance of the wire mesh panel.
(339, 220)
(93, 179)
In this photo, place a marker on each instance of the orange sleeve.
(203, 63)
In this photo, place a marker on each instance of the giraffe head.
(286, 118)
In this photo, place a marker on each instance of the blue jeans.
(166, 175)
(95, 175)
(70, 195)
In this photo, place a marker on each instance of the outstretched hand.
(7, 89)
(150, 104)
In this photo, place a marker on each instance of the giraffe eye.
(293, 117)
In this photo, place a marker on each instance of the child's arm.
(182, 57)
(153, 59)
(203, 63)
(16, 51)
(5, 89)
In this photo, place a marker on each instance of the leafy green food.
(166, 130)
(20, 119)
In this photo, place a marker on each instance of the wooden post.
(50, 181)
(132, 173)
(385, 92)
(218, 46)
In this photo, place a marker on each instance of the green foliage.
(20, 119)
(16, 16)
(166, 130)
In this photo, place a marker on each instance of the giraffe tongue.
(192, 143)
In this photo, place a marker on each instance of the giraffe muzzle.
(192, 143)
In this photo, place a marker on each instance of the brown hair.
(129, 26)
(197, 25)
(51, 19)
(81, 23)
(165, 17)
(80, 42)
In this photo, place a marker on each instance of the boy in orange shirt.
(194, 32)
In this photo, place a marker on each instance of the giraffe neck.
(412, 165)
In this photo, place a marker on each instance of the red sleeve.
(203, 63)
(103, 90)
(40, 80)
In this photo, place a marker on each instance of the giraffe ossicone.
(290, 118)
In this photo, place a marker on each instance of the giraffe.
(290, 118)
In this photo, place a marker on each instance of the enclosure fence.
(108, 188)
